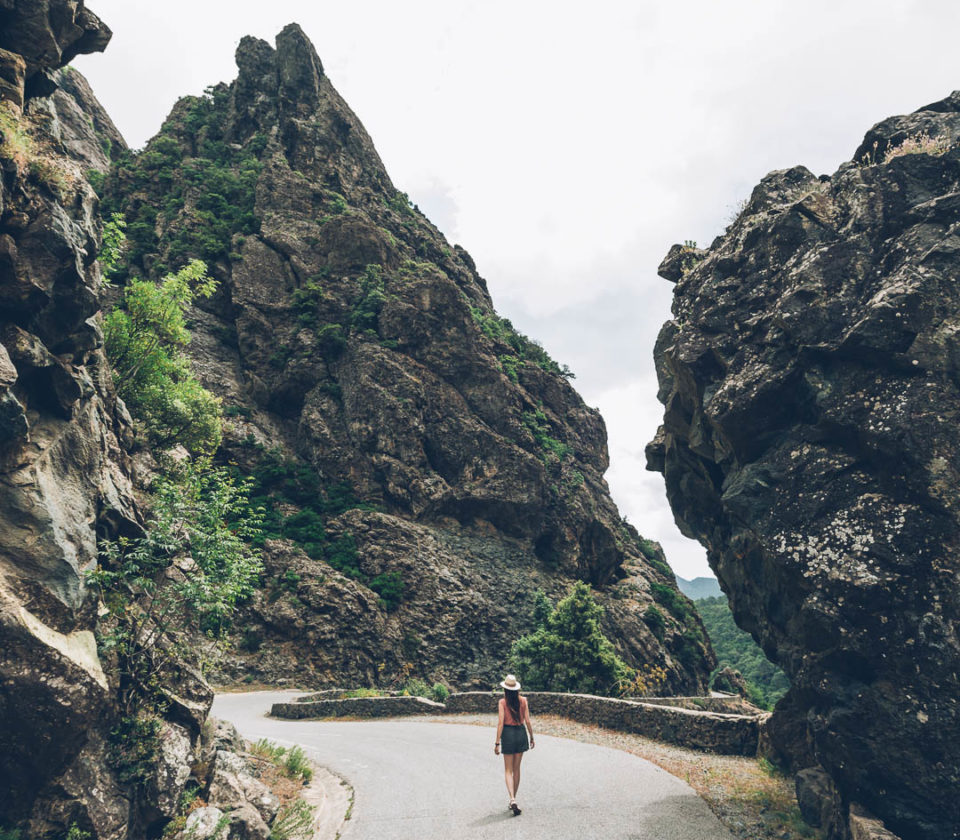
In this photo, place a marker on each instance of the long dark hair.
(512, 696)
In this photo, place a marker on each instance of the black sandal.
(515, 808)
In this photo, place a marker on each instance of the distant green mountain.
(766, 683)
(699, 587)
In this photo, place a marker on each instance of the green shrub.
(542, 608)
(439, 693)
(655, 620)
(331, 341)
(570, 653)
(296, 765)
(268, 750)
(389, 586)
(199, 512)
(366, 310)
(133, 747)
(537, 424)
(669, 597)
(342, 554)
(522, 350)
(417, 688)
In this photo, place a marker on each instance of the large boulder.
(811, 383)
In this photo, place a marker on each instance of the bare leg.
(508, 774)
(517, 758)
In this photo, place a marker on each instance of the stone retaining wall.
(710, 731)
(365, 707)
(725, 734)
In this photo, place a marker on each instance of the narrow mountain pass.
(417, 780)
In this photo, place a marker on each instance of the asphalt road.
(420, 780)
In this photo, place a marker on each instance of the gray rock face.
(354, 340)
(62, 473)
(811, 379)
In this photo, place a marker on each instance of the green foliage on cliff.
(366, 310)
(569, 652)
(737, 649)
(183, 577)
(143, 337)
(219, 178)
(502, 332)
(538, 426)
(277, 483)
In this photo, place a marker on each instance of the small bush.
(133, 747)
(389, 586)
(417, 688)
(268, 750)
(296, 765)
(440, 693)
(655, 620)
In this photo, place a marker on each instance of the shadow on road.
(492, 819)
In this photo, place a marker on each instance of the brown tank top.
(508, 717)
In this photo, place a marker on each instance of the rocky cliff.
(62, 470)
(424, 467)
(811, 379)
(65, 475)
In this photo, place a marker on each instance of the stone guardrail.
(725, 734)
(365, 707)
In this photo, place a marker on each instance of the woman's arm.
(496, 747)
(529, 726)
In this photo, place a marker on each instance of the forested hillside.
(736, 649)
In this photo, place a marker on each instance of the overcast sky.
(567, 145)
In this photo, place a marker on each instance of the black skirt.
(513, 739)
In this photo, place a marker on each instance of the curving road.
(420, 780)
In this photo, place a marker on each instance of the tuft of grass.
(365, 692)
(16, 144)
(292, 763)
(918, 144)
(293, 822)
(268, 750)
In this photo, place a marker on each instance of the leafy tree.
(143, 338)
(111, 249)
(569, 651)
(186, 574)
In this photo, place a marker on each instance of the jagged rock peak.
(811, 378)
(48, 34)
(355, 346)
(292, 73)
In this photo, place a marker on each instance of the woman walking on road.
(514, 715)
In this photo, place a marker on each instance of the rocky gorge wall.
(425, 467)
(65, 471)
(811, 383)
(62, 470)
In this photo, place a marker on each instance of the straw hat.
(511, 683)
